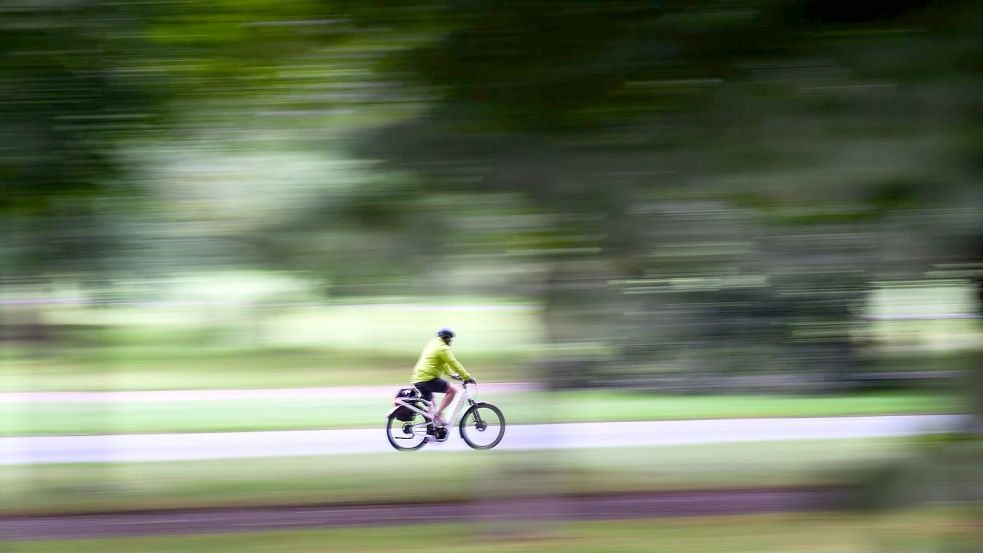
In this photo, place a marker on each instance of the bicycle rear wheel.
(482, 426)
(406, 435)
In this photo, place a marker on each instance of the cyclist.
(435, 361)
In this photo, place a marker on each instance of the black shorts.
(429, 387)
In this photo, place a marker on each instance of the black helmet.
(445, 333)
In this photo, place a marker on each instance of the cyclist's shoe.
(440, 434)
(439, 420)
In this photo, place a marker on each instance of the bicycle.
(409, 424)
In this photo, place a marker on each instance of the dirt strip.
(553, 508)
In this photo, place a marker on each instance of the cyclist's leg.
(449, 395)
(427, 389)
(439, 386)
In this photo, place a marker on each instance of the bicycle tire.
(393, 423)
(492, 413)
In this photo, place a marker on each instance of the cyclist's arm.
(454, 364)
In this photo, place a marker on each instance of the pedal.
(440, 434)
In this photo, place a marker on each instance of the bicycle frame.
(464, 409)
(465, 395)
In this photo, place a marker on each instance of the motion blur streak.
(627, 210)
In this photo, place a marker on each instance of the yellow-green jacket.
(436, 360)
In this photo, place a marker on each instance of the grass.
(160, 367)
(396, 477)
(352, 412)
(227, 346)
(913, 530)
(296, 341)
(387, 328)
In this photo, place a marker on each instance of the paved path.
(122, 448)
(507, 511)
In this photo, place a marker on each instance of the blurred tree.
(86, 84)
(818, 133)
(96, 92)
(709, 185)
(64, 99)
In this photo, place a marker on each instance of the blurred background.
(627, 210)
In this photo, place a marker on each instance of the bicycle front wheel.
(482, 426)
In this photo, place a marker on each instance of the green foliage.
(674, 180)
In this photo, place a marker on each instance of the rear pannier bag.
(404, 414)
